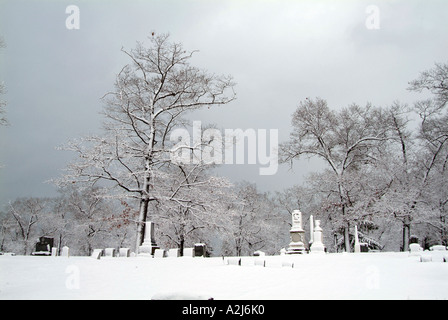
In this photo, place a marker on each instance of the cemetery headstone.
(159, 253)
(173, 253)
(54, 252)
(297, 234)
(189, 252)
(43, 246)
(199, 250)
(109, 252)
(149, 244)
(232, 261)
(415, 249)
(124, 252)
(65, 251)
(317, 245)
(260, 262)
(97, 253)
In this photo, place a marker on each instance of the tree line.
(385, 170)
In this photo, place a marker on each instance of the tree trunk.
(406, 235)
(143, 213)
(347, 238)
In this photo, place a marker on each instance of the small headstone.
(260, 262)
(425, 257)
(159, 253)
(438, 248)
(234, 261)
(415, 249)
(109, 252)
(97, 253)
(199, 250)
(189, 252)
(288, 264)
(124, 252)
(65, 251)
(54, 252)
(173, 253)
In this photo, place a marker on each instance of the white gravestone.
(124, 252)
(65, 251)
(297, 234)
(415, 249)
(149, 244)
(97, 253)
(311, 230)
(54, 252)
(109, 252)
(189, 252)
(159, 253)
(317, 245)
(173, 253)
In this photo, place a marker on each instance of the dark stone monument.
(43, 247)
(199, 250)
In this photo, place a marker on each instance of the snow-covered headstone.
(297, 234)
(288, 264)
(426, 257)
(415, 249)
(149, 244)
(65, 251)
(317, 245)
(109, 252)
(232, 261)
(199, 250)
(189, 252)
(97, 253)
(260, 262)
(124, 252)
(173, 253)
(159, 253)
(54, 252)
(438, 253)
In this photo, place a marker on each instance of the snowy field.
(330, 276)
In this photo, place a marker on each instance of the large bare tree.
(150, 97)
(346, 140)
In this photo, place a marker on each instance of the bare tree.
(346, 140)
(151, 95)
(26, 213)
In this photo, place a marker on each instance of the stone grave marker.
(97, 253)
(159, 253)
(199, 250)
(173, 253)
(65, 251)
(109, 252)
(189, 252)
(124, 252)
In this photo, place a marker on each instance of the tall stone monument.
(297, 234)
(317, 246)
(149, 244)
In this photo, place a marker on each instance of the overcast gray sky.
(279, 52)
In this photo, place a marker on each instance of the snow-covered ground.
(330, 276)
